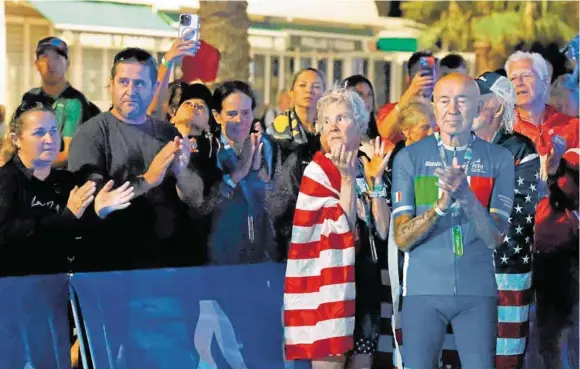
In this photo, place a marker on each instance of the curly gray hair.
(353, 102)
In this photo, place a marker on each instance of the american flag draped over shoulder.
(319, 291)
(513, 271)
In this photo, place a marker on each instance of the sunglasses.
(134, 53)
(30, 105)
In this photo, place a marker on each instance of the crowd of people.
(460, 199)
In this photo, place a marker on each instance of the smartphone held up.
(428, 64)
(189, 27)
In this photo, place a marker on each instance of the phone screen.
(427, 66)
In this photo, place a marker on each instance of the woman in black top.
(40, 208)
(294, 130)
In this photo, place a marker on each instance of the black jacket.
(37, 231)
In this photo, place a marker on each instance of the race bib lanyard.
(456, 232)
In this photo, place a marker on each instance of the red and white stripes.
(319, 288)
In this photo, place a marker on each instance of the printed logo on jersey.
(433, 164)
(477, 167)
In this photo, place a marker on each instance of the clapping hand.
(258, 144)
(182, 155)
(108, 200)
(345, 161)
(80, 198)
(375, 168)
(158, 167)
(454, 181)
(246, 160)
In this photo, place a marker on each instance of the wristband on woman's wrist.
(378, 190)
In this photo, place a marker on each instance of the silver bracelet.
(438, 211)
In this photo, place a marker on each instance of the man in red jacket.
(552, 132)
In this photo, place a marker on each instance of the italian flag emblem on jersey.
(398, 197)
(427, 192)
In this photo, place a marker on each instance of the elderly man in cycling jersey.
(452, 197)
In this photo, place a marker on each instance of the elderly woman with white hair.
(495, 124)
(341, 209)
(551, 131)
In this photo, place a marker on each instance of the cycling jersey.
(432, 267)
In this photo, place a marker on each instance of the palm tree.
(493, 29)
(224, 24)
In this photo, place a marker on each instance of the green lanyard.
(456, 232)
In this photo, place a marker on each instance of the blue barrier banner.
(34, 331)
(198, 318)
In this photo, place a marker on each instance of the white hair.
(539, 66)
(353, 102)
(505, 93)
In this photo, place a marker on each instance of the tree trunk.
(383, 7)
(529, 11)
(483, 60)
(224, 25)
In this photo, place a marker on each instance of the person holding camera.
(422, 75)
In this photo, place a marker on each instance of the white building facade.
(340, 38)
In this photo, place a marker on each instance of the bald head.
(456, 102)
(459, 80)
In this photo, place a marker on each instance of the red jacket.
(554, 123)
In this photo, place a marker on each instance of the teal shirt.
(68, 114)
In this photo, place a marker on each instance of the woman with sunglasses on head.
(240, 231)
(40, 208)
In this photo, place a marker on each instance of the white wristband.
(438, 211)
